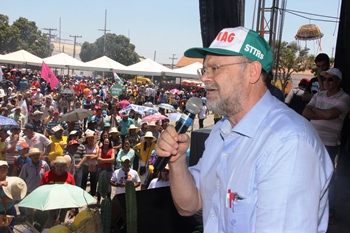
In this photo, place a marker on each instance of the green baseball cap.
(238, 41)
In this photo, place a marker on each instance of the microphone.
(193, 107)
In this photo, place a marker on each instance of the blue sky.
(163, 27)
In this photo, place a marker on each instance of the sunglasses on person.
(330, 79)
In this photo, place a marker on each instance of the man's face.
(126, 164)
(3, 169)
(226, 85)
(322, 66)
(35, 158)
(60, 168)
(331, 82)
(18, 111)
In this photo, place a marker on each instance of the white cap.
(333, 71)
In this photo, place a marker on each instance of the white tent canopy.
(189, 71)
(21, 57)
(104, 63)
(63, 60)
(145, 67)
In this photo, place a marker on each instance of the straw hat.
(59, 159)
(132, 126)
(152, 123)
(148, 134)
(114, 130)
(16, 188)
(33, 151)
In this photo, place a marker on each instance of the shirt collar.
(251, 122)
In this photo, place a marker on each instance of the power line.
(75, 41)
(323, 20)
(172, 62)
(50, 36)
(307, 13)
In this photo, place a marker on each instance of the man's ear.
(255, 69)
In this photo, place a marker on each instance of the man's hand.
(172, 143)
(3, 183)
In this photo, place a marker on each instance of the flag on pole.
(49, 76)
(117, 79)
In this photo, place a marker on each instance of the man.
(58, 175)
(12, 142)
(37, 122)
(76, 151)
(124, 125)
(22, 85)
(32, 174)
(316, 83)
(47, 108)
(18, 116)
(55, 121)
(123, 174)
(265, 156)
(326, 111)
(36, 140)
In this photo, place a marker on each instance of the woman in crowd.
(162, 180)
(105, 158)
(134, 138)
(90, 165)
(126, 151)
(144, 150)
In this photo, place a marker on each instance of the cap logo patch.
(256, 52)
(225, 36)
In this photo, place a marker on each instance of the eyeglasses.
(330, 79)
(212, 70)
(126, 175)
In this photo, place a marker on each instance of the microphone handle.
(181, 126)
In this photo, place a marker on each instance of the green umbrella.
(57, 196)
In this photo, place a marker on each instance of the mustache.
(212, 86)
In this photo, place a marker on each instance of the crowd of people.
(44, 149)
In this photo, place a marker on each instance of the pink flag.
(49, 76)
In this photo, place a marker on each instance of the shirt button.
(233, 222)
(213, 215)
(218, 184)
(225, 154)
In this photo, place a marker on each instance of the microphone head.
(194, 105)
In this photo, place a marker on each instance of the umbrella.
(14, 70)
(173, 91)
(143, 110)
(148, 104)
(77, 114)
(167, 107)
(174, 116)
(67, 91)
(7, 121)
(57, 196)
(154, 117)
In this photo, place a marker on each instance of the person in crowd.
(162, 180)
(90, 164)
(124, 125)
(55, 121)
(294, 99)
(37, 122)
(105, 158)
(76, 151)
(58, 175)
(20, 159)
(124, 174)
(126, 151)
(134, 138)
(154, 128)
(36, 140)
(316, 84)
(18, 116)
(3, 136)
(12, 142)
(11, 189)
(58, 143)
(143, 150)
(32, 173)
(260, 147)
(202, 114)
(326, 111)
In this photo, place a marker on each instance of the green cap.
(238, 41)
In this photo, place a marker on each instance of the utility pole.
(50, 36)
(104, 39)
(172, 62)
(75, 41)
(104, 30)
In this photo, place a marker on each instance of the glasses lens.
(331, 79)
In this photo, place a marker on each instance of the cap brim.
(202, 52)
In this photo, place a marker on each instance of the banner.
(117, 79)
(116, 90)
(49, 76)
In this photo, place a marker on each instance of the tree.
(118, 48)
(9, 36)
(22, 34)
(292, 58)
